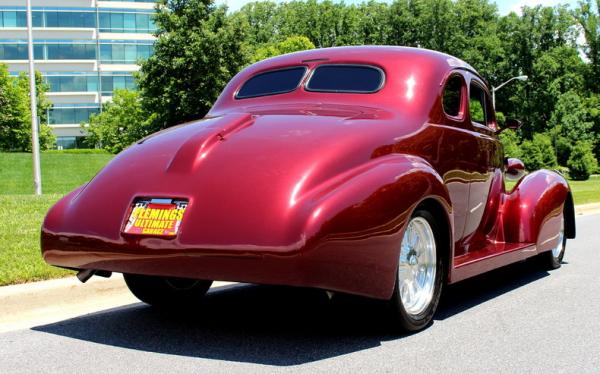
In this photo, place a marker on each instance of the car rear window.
(346, 78)
(272, 82)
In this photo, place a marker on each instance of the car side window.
(452, 96)
(477, 104)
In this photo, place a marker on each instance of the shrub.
(563, 149)
(582, 162)
(562, 170)
(510, 143)
(78, 151)
(538, 153)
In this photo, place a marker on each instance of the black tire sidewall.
(159, 292)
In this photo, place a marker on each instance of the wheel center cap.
(412, 260)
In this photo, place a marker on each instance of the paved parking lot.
(517, 319)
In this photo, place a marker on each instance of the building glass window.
(70, 142)
(37, 18)
(116, 21)
(49, 51)
(130, 22)
(117, 81)
(72, 83)
(12, 18)
(71, 51)
(124, 53)
(133, 21)
(71, 114)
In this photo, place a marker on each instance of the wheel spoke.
(404, 273)
(417, 266)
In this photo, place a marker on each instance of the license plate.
(158, 217)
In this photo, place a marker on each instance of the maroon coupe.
(374, 171)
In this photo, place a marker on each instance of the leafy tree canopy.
(15, 112)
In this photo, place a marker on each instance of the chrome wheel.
(417, 266)
(561, 238)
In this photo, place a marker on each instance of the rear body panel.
(313, 189)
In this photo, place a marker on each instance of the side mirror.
(510, 123)
(515, 168)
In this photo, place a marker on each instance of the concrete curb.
(585, 209)
(38, 303)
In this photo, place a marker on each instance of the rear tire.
(421, 273)
(163, 292)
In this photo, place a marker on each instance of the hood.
(246, 175)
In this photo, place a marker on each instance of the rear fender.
(533, 210)
(358, 221)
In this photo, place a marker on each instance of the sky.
(504, 6)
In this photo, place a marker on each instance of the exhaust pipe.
(85, 274)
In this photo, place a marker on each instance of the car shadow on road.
(271, 325)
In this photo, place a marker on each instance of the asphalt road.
(516, 319)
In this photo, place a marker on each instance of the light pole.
(35, 139)
(494, 89)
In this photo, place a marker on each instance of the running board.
(490, 258)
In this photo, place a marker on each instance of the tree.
(538, 153)
(15, 112)
(569, 124)
(122, 122)
(261, 18)
(199, 48)
(291, 44)
(582, 162)
(541, 43)
(589, 21)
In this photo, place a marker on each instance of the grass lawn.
(21, 214)
(20, 219)
(60, 172)
(585, 192)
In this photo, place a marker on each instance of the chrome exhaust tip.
(85, 274)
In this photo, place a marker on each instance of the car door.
(485, 163)
(455, 145)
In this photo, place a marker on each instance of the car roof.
(424, 68)
(368, 53)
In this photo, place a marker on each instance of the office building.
(84, 48)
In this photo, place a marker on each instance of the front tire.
(421, 273)
(163, 292)
(553, 259)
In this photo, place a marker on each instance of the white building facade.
(85, 49)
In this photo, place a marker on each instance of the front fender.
(534, 209)
(359, 221)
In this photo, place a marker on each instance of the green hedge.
(81, 151)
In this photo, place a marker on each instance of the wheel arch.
(443, 220)
(531, 210)
(365, 217)
(569, 212)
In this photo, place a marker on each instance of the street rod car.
(374, 171)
